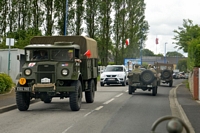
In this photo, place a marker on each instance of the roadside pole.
(9, 42)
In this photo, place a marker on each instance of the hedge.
(5, 83)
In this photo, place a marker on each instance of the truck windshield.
(36, 55)
(62, 54)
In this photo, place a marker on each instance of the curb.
(14, 106)
(180, 110)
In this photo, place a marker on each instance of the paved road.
(114, 110)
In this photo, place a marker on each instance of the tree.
(182, 65)
(147, 52)
(174, 54)
(185, 34)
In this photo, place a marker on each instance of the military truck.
(165, 73)
(54, 74)
(145, 80)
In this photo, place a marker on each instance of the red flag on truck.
(88, 53)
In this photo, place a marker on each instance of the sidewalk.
(7, 101)
(191, 107)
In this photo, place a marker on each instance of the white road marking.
(98, 108)
(109, 101)
(119, 95)
(88, 113)
(67, 129)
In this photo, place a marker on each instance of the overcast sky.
(163, 17)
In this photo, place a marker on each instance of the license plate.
(45, 80)
(149, 85)
(111, 79)
(23, 89)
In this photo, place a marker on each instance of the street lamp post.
(141, 52)
(165, 53)
(141, 45)
(65, 22)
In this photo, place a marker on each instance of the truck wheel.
(89, 95)
(47, 99)
(23, 100)
(75, 98)
(130, 90)
(147, 76)
(124, 82)
(166, 74)
(170, 83)
(154, 91)
(102, 84)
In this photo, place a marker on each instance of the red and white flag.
(87, 53)
(156, 40)
(127, 42)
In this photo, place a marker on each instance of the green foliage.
(182, 65)
(147, 52)
(174, 54)
(5, 83)
(111, 63)
(197, 56)
(185, 34)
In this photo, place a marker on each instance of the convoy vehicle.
(56, 74)
(145, 80)
(165, 73)
(114, 74)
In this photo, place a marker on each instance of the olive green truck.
(49, 72)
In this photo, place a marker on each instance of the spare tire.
(147, 76)
(166, 74)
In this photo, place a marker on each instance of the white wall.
(14, 63)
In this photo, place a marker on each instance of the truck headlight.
(64, 72)
(27, 72)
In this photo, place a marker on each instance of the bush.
(5, 83)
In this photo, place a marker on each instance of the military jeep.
(54, 74)
(146, 80)
(165, 73)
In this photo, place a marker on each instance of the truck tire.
(102, 84)
(89, 95)
(75, 98)
(47, 99)
(170, 83)
(154, 91)
(124, 82)
(23, 100)
(166, 74)
(147, 76)
(130, 90)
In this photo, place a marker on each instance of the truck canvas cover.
(85, 43)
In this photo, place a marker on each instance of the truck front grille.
(46, 71)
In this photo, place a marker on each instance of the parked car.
(182, 75)
(176, 75)
(114, 74)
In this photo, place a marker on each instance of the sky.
(165, 16)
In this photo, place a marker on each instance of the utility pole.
(65, 22)
(165, 53)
